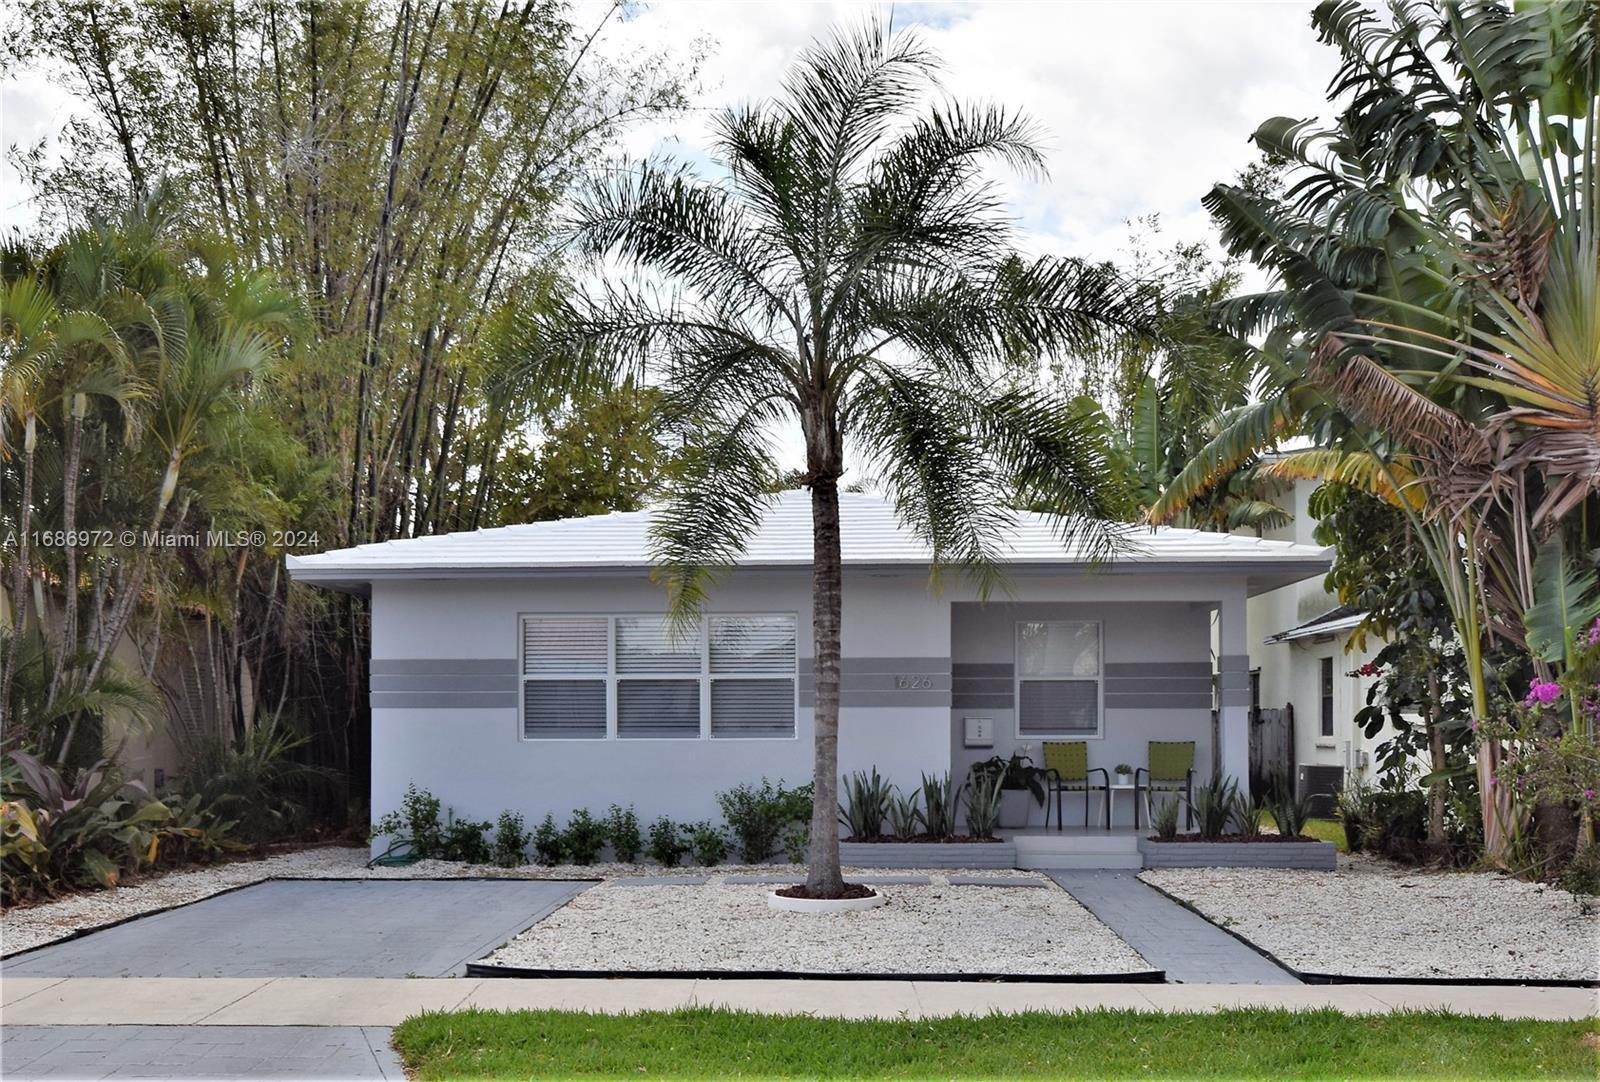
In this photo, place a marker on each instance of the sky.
(1144, 104)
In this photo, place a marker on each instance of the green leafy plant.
(866, 802)
(1213, 804)
(796, 839)
(1354, 807)
(466, 841)
(256, 781)
(1164, 818)
(939, 804)
(584, 837)
(1122, 768)
(757, 814)
(1248, 814)
(665, 845)
(622, 827)
(416, 822)
(511, 839)
(1017, 772)
(905, 816)
(983, 792)
(1289, 811)
(706, 844)
(547, 841)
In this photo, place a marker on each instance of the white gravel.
(27, 926)
(722, 927)
(1374, 919)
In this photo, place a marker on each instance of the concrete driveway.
(312, 928)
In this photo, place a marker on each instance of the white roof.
(870, 535)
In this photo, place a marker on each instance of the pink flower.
(1588, 794)
(1542, 693)
(1594, 634)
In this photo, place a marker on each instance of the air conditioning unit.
(1319, 785)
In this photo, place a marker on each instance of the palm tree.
(853, 272)
(1434, 330)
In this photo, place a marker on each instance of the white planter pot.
(1014, 805)
(1124, 779)
(825, 905)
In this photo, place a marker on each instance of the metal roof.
(871, 535)
(1343, 618)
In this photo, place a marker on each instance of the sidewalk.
(312, 1001)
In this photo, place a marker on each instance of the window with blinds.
(752, 668)
(1058, 678)
(636, 677)
(565, 663)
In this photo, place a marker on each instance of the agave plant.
(983, 792)
(939, 804)
(905, 816)
(866, 801)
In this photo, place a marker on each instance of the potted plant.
(1020, 778)
(1124, 774)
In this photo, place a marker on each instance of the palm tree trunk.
(1438, 790)
(823, 877)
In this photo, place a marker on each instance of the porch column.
(1233, 688)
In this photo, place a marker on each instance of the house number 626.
(904, 682)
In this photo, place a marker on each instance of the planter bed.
(1265, 851)
(929, 854)
(729, 930)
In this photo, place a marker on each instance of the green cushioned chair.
(1171, 770)
(1067, 770)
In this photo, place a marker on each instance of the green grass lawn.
(707, 1043)
(1324, 830)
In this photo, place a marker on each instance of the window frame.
(1326, 684)
(704, 677)
(1017, 678)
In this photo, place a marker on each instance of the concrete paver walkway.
(211, 1052)
(312, 928)
(1188, 947)
(385, 1002)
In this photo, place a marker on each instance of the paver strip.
(1188, 947)
(210, 1052)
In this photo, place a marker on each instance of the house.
(528, 667)
(1304, 654)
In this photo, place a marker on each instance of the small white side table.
(1115, 788)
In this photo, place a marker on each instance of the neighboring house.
(528, 667)
(1302, 654)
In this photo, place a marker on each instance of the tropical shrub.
(707, 844)
(1354, 808)
(1290, 811)
(866, 802)
(511, 840)
(939, 804)
(622, 827)
(256, 781)
(665, 845)
(983, 792)
(757, 816)
(416, 822)
(1017, 772)
(584, 837)
(547, 841)
(796, 840)
(466, 841)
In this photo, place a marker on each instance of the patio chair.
(1170, 770)
(1067, 770)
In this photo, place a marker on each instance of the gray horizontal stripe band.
(1233, 663)
(1233, 680)
(960, 701)
(884, 664)
(450, 666)
(444, 700)
(975, 686)
(1145, 670)
(434, 682)
(882, 681)
(1235, 697)
(939, 699)
(1152, 701)
(984, 670)
(1125, 685)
